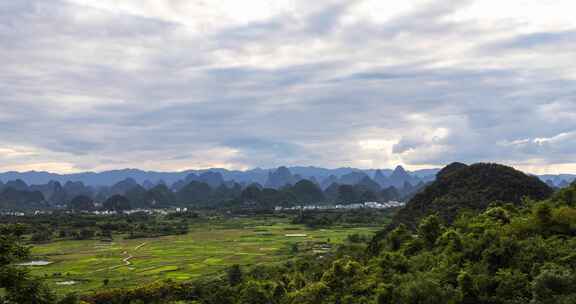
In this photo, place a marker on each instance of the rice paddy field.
(209, 247)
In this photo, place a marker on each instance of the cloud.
(105, 84)
(541, 39)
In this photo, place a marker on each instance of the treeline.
(64, 226)
(323, 219)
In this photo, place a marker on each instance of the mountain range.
(211, 187)
(257, 175)
(214, 186)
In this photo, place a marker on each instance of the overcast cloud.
(173, 85)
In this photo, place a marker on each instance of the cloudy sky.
(178, 84)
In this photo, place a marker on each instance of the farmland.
(208, 247)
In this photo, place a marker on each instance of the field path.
(125, 260)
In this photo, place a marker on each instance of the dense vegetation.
(506, 254)
(316, 219)
(16, 285)
(473, 187)
(512, 242)
(64, 226)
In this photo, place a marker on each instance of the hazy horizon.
(407, 168)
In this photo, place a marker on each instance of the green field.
(207, 248)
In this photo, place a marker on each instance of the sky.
(92, 85)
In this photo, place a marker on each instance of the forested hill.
(458, 187)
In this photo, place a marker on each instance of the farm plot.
(84, 266)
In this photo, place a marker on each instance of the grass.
(208, 248)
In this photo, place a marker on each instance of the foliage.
(19, 286)
(499, 249)
(234, 275)
(504, 254)
(472, 187)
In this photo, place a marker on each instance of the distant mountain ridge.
(257, 175)
(213, 187)
(210, 187)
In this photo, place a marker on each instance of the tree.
(430, 229)
(397, 237)
(343, 273)
(70, 298)
(294, 248)
(312, 293)
(86, 234)
(513, 285)
(543, 213)
(19, 286)
(466, 288)
(234, 275)
(385, 294)
(499, 214)
(425, 290)
(43, 235)
(255, 293)
(393, 263)
(552, 285)
(451, 240)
